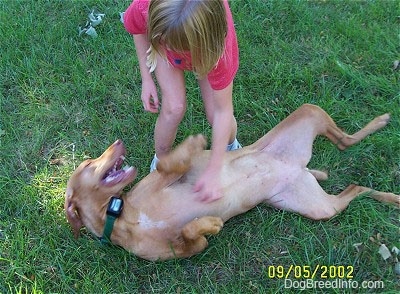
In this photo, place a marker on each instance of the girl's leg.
(207, 94)
(173, 105)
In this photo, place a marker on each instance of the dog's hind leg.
(342, 200)
(194, 233)
(178, 161)
(312, 202)
(353, 191)
(292, 139)
(343, 140)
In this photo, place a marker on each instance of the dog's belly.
(247, 181)
(256, 178)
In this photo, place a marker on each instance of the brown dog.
(162, 219)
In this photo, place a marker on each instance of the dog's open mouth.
(117, 174)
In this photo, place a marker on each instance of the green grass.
(65, 98)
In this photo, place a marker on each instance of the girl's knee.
(174, 112)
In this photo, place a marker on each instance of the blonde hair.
(183, 26)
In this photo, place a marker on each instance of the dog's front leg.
(179, 160)
(194, 233)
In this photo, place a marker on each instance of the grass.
(66, 97)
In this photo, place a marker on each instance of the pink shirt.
(135, 22)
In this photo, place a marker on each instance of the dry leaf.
(397, 268)
(384, 252)
(396, 64)
(357, 246)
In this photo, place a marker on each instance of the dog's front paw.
(206, 225)
(197, 143)
(179, 159)
(216, 225)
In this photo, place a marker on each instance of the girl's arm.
(209, 185)
(149, 91)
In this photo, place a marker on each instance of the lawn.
(65, 97)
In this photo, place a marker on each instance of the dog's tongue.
(117, 176)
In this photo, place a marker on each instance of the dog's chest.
(145, 222)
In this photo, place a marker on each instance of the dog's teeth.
(126, 167)
(122, 157)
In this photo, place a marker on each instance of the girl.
(173, 36)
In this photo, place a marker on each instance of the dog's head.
(93, 183)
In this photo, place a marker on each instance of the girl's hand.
(208, 187)
(149, 96)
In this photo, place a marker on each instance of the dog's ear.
(71, 213)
